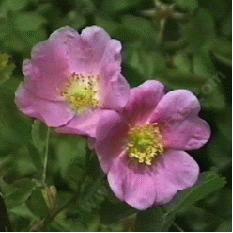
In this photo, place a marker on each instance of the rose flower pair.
(74, 84)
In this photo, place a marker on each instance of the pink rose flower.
(72, 79)
(142, 150)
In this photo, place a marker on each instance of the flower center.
(82, 92)
(145, 143)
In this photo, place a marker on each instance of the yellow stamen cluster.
(82, 92)
(145, 143)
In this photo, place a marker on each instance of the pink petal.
(179, 168)
(64, 34)
(111, 58)
(52, 113)
(131, 185)
(97, 39)
(100, 51)
(48, 70)
(192, 133)
(85, 124)
(107, 55)
(111, 138)
(144, 187)
(86, 51)
(143, 100)
(176, 106)
(115, 91)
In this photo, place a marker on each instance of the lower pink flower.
(142, 150)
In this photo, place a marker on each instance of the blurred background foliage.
(183, 43)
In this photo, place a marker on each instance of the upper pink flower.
(142, 150)
(72, 79)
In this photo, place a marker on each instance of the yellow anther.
(82, 92)
(145, 143)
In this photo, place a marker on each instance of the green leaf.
(219, 152)
(212, 97)
(28, 21)
(87, 6)
(211, 93)
(153, 220)
(20, 192)
(70, 157)
(36, 203)
(189, 5)
(222, 51)
(226, 226)
(226, 28)
(22, 217)
(218, 203)
(208, 88)
(202, 64)
(147, 63)
(175, 79)
(208, 183)
(92, 195)
(182, 63)
(22, 211)
(120, 210)
(200, 31)
(113, 6)
(198, 219)
(129, 30)
(14, 5)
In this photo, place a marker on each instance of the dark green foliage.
(184, 43)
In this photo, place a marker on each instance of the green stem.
(45, 156)
(162, 28)
(43, 223)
